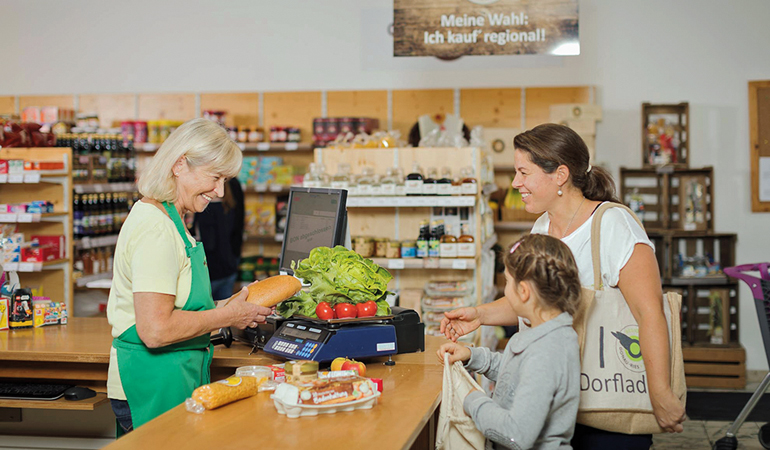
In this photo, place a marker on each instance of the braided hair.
(547, 263)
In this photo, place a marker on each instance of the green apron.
(158, 379)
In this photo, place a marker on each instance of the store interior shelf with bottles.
(422, 213)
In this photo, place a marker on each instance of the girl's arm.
(640, 284)
(526, 418)
(462, 321)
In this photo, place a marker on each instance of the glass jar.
(388, 183)
(414, 181)
(312, 178)
(393, 249)
(364, 246)
(429, 182)
(380, 247)
(444, 184)
(408, 249)
(341, 180)
(365, 182)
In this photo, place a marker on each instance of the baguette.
(273, 290)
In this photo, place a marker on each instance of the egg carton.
(294, 411)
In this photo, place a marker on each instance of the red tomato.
(324, 311)
(345, 311)
(367, 309)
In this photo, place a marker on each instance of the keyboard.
(32, 391)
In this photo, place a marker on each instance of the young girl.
(537, 377)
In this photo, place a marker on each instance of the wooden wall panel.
(242, 107)
(358, 104)
(539, 101)
(8, 105)
(62, 101)
(167, 106)
(111, 108)
(494, 108)
(295, 109)
(408, 105)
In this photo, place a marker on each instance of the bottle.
(444, 184)
(388, 183)
(102, 214)
(429, 183)
(466, 245)
(400, 182)
(413, 184)
(341, 180)
(434, 241)
(85, 217)
(448, 244)
(312, 179)
(422, 239)
(108, 214)
(470, 186)
(376, 189)
(77, 217)
(365, 182)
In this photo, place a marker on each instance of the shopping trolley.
(760, 288)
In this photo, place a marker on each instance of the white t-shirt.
(619, 234)
(149, 257)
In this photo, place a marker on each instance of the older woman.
(554, 177)
(160, 304)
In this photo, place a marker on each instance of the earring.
(559, 192)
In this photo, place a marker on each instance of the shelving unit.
(54, 186)
(399, 217)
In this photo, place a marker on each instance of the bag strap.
(596, 238)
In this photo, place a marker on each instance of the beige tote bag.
(456, 430)
(614, 394)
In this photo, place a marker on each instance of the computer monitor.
(315, 217)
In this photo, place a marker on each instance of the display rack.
(398, 218)
(54, 186)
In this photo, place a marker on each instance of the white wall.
(662, 51)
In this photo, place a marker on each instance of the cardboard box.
(39, 253)
(57, 241)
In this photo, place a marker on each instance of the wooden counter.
(79, 353)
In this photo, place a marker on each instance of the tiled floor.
(701, 434)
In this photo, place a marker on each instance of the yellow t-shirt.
(149, 257)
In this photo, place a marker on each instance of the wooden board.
(242, 107)
(7, 105)
(408, 105)
(759, 132)
(358, 104)
(167, 106)
(62, 101)
(494, 108)
(539, 101)
(111, 108)
(88, 404)
(292, 109)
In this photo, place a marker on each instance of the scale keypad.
(285, 347)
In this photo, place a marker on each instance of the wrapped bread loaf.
(272, 291)
(226, 391)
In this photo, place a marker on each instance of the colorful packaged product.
(3, 313)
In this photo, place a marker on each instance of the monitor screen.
(316, 217)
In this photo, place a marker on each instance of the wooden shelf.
(84, 280)
(98, 188)
(88, 404)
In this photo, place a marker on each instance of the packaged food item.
(393, 249)
(364, 246)
(20, 315)
(261, 373)
(326, 391)
(220, 393)
(39, 307)
(439, 288)
(408, 249)
(279, 374)
(301, 371)
(3, 313)
(381, 247)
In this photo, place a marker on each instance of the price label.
(242, 146)
(291, 146)
(11, 267)
(8, 218)
(16, 178)
(150, 147)
(460, 264)
(4, 178)
(276, 188)
(32, 178)
(263, 146)
(25, 218)
(395, 264)
(260, 187)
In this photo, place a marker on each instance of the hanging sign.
(449, 29)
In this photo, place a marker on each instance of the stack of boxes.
(261, 172)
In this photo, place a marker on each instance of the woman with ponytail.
(556, 179)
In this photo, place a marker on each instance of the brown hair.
(550, 145)
(547, 263)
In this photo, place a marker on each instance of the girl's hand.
(669, 413)
(459, 322)
(457, 352)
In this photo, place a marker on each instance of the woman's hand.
(669, 413)
(460, 322)
(244, 314)
(457, 352)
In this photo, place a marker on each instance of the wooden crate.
(674, 199)
(707, 301)
(715, 367)
(665, 135)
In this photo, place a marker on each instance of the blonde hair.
(203, 143)
(547, 263)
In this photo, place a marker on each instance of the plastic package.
(449, 288)
(325, 396)
(446, 303)
(261, 373)
(220, 393)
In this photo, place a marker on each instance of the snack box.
(3, 313)
(279, 374)
(39, 253)
(3, 166)
(57, 241)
